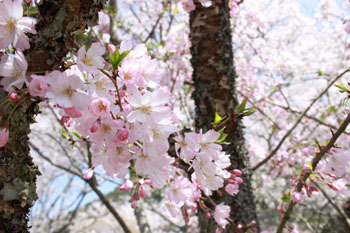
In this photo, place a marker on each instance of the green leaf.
(64, 133)
(241, 107)
(310, 165)
(217, 118)
(249, 111)
(122, 56)
(342, 88)
(286, 197)
(221, 139)
(114, 57)
(76, 134)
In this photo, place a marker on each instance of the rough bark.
(214, 80)
(57, 20)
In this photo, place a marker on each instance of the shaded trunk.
(214, 80)
(57, 20)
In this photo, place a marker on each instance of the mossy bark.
(214, 80)
(57, 21)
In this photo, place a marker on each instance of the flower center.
(69, 91)
(146, 109)
(10, 25)
(88, 61)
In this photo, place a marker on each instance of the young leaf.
(286, 197)
(241, 107)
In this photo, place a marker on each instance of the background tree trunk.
(57, 20)
(214, 81)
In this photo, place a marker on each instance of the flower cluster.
(123, 110)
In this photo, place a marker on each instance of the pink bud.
(65, 120)
(203, 205)
(122, 93)
(149, 182)
(306, 168)
(4, 136)
(196, 196)
(142, 191)
(123, 134)
(280, 208)
(13, 96)
(208, 215)
(332, 175)
(237, 172)
(239, 180)
(28, 2)
(219, 193)
(334, 186)
(230, 181)
(253, 222)
(217, 230)
(88, 173)
(95, 127)
(133, 204)
(185, 214)
(194, 208)
(111, 48)
(255, 229)
(73, 112)
(127, 186)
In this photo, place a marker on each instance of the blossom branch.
(273, 152)
(314, 164)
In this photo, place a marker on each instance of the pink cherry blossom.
(232, 189)
(222, 212)
(125, 45)
(100, 107)
(13, 26)
(91, 61)
(65, 90)
(188, 5)
(149, 107)
(13, 68)
(38, 86)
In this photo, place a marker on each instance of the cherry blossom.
(13, 25)
(222, 212)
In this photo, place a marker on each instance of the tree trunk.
(57, 20)
(214, 80)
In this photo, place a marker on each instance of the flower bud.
(4, 135)
(237, 172)
(95, 127)
(123, 134)
(127, 186)
(133, 204)
(111, 48)
(88, 173)
(13, 96)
